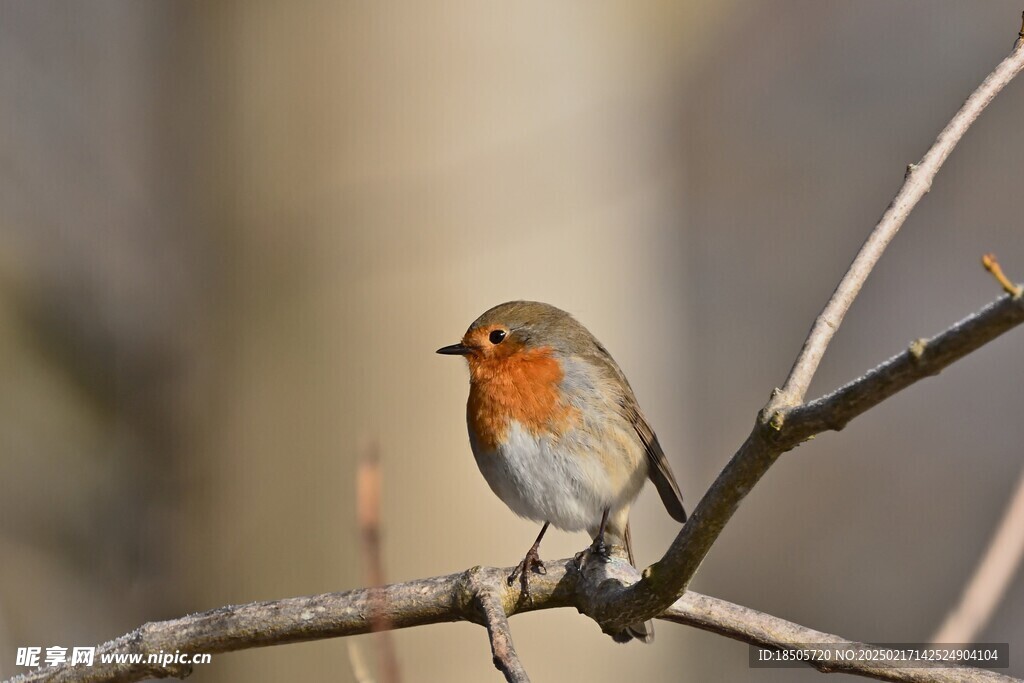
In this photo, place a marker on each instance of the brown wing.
(657, 465)
(658, 470)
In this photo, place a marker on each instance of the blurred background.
(233, 234)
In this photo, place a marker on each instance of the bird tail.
(644, 632)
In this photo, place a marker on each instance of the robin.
(557, 432)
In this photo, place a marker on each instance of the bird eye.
(497, 336)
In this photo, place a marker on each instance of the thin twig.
(360, 671)
(923, 358)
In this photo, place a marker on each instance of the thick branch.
(457, 597)
(292, 620)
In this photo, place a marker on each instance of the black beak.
(454, 350)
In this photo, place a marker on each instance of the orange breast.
(522, 386)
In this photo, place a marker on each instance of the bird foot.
(530, 564)
(597, 549)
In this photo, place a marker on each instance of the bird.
(557, 432)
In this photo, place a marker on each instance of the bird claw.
(530, 564)
(578, 559)
(597, 549)
(600, 549)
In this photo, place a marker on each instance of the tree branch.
(774, 434)
(923, 358)
(779, 426)
(292, 620)
(479, 595)
(917, 184)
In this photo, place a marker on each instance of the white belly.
(552, 480)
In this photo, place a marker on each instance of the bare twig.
(917, 184)
(991, 579)
(360, 671)
(368, 517)
(455, 597)
(923, 358)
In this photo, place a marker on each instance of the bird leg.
(530, 563)
(598, 547)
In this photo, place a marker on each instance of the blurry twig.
(991, 578)
(368, 517)
(359, 669)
